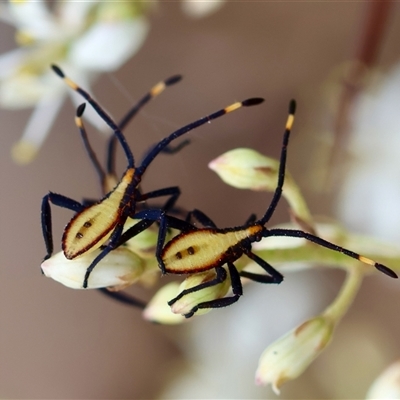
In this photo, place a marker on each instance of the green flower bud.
(290, 355)
(247, 169)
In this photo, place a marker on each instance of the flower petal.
(33, 18)
(121, 40)
(37, 129)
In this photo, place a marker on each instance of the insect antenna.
(166, 141)
(102, 113)
(282, 166)
(153, 93)
(331, 246)
(92, 155)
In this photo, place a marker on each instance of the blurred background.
(61, 343)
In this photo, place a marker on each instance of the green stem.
(346, 295)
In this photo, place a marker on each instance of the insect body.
(206, 248)
(200, 249)
(102, 223)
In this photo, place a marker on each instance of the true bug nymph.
(103, 222)
(200, 249)
(108, 176)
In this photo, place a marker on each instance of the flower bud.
(247, 169)
(158, 309)
(186, 303)
(120, 268)
(387, 385)
(290, 355)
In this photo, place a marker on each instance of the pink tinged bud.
(158, 309)
(387, 385)
(120, 268)
(290, 355)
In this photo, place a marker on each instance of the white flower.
(72, 35)
(370, 193)
(118, 269)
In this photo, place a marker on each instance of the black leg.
(172, 191)
(123, 297)
(202, 218)
(273, 277)
(112, 244)
(47, 230)
(219, 278)
(166, 221)
(225, 301)
(134, 230)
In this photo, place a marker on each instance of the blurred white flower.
(387, 385)
(118, 269)
(73, 35)
(201, 8)
(370, 193)
(84, 38)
